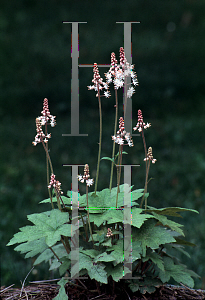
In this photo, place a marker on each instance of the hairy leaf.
(98, 273)
(138, 218)
(183, 242)
(170, 211)
(171, 224)
(32, 248)
(48, 224)
(66, 200)
(104, 257)
(155, 258)
(48, 254)
(61, 294)
(151, 236)
(177, 272)
(117, 272)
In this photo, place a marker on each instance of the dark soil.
(88, 290)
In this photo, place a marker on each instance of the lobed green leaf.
(151, 236)
(177, 272)
(170, 211)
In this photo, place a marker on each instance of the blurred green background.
(168, 49)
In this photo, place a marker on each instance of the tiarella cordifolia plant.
(102, 215)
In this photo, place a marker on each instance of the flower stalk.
(98, 85)
(89, 182)
(100, 142)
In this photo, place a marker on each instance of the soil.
(88, 290)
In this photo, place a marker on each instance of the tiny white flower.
(118, 83)
(120, 141)
(106, 86)
(89, 182)
(109, 77)
(130, 92)
(147, 126)
(127, 73)
(107, 94)
(135, 81)
(130, 144)
(80, 178)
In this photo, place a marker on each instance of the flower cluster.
(140, 125)
(109, 232)
(98, 83)
(150, 156)
(56, 184)
(122, 135)
(46, 115)
(86, 176)
(40, 136)
(114, 72)
(43, 120)
(120, 72)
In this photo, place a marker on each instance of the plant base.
(47, 291)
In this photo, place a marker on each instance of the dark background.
(168, 49)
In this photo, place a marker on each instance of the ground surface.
(88, 290)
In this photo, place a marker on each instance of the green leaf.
(183, 242)
(61, 294)
(66, 200)
(134, 286)
(177, 272)
(27, 234)
(177, 247)
(104, 257)
(50, 219)
(136, 194)
(105, 199)
(123, 152)
(151, 236)
(48, 224)
(48, 254)
(108, 158)
(32, 248)
(66, 263)
(108, 243)
(171, 224)
(55, 264)
(98, 273)
(138, 218)
(92, 253)
(116, 272)
(170, 211)
(147, 285)
(156, 259)
(85, 262)
(117, 251)
(193, 274)
(136, 251)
